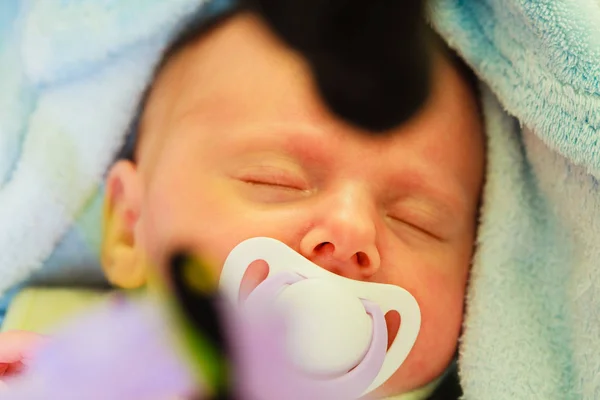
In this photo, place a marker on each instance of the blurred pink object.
(125, 351)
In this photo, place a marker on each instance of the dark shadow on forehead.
(201, 23)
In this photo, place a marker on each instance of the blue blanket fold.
(541, 58)
(532, 327)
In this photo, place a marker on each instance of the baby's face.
(237, 144)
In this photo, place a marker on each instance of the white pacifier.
(337, 332)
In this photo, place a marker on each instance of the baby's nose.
(350, 253)
(342, 237)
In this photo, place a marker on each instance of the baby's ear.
(121, 255)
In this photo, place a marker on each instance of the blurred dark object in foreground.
(371, 59)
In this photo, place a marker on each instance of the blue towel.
(71, 74)
(532, 326)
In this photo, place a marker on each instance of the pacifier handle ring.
(267, 289)
(355, 382)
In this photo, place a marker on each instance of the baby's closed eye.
(272, 176)
(422, 219)
(273, 184)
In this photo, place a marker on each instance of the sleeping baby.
(234, 142)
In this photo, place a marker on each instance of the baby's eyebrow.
(302, 141)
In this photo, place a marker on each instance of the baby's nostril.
(322, 246)
(362, 259)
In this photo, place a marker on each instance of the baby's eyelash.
(416, 227)
(268, 190)
(274, 177)
(271, 182)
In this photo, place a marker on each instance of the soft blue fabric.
(542, 58)
(532, 328)
(71, 74)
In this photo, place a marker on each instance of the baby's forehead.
(196, 27)
(208, 65)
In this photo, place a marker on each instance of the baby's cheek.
(440, 301)
(441, 318)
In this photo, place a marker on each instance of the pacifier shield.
(333, 338)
